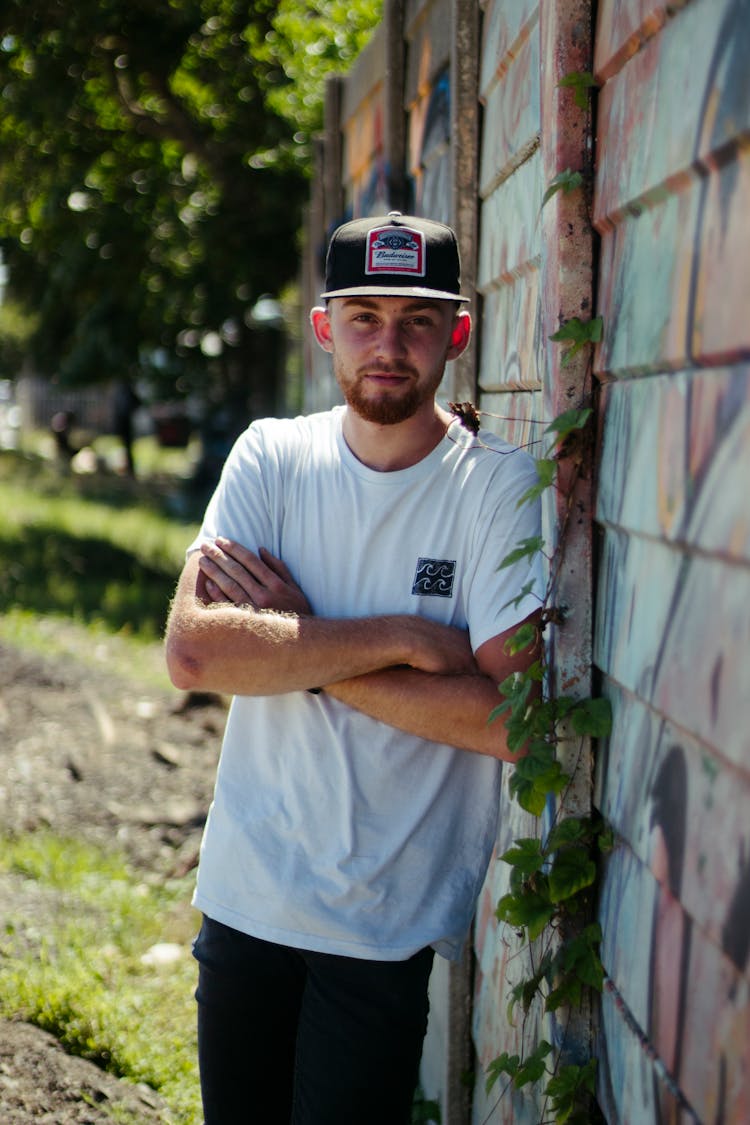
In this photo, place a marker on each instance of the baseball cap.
(393, 255)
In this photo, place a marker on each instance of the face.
(389, 353)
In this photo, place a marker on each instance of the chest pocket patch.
(434, 578)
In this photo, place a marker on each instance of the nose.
(391, 340)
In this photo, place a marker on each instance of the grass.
(82, 976)
(87, 568)
(87, 562)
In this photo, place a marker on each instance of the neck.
(389, 448)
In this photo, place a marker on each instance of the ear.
(460, 334)
(321, 326)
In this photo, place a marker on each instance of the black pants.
(289, 1037)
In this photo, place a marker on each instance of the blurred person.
(345, 588)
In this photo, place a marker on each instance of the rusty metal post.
(464, 64)
(395, 114)
(567, 292)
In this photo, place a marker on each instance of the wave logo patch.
(434, 578)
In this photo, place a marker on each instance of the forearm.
(243, 652)
(239, 650)
(441, 708)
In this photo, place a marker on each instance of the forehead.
(393, 305)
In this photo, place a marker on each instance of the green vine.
(580, 82)
(548, 904)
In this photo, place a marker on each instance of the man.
(345, 588)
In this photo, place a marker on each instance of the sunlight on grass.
(101, 552)
(82, 976)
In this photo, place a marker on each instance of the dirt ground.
(88, 755)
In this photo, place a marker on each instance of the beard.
(390, 406)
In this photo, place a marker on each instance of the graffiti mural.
(672, 617)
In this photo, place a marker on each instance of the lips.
(383, 379)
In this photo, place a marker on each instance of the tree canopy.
(155, 157)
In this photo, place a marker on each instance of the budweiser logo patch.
(395, 250)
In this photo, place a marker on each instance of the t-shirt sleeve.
(500, 597)
(243, 503)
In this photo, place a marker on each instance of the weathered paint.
(672, 617)
(652, 770)
(693, 432)
(512, 114)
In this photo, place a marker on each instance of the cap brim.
(395, 291)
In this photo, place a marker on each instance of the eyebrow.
(372, 302)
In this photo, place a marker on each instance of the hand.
(441, 649)
(234, 574)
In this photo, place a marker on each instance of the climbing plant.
(553, 872)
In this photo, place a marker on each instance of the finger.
(278, 566)
(215, 593)
(256, 567)
(220, 573)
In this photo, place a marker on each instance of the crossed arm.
(240, 624)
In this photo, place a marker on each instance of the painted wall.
(658, 581)
(672, 613)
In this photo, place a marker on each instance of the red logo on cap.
(395, 250)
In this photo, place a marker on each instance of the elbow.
(184, 665)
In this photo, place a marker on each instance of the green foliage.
(568, 422)
(580, 82)
(424, 1111)
(17, 326)
(526, 549)
(551, 879)
(520, 1071)
(578, 333)
(155, 164)
(310, 41)
(546, 469)
(566, 1090)
(565, 182)
(110, 561)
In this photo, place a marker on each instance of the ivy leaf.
(503, 1064)
(572, 830)
(545, 471)
(572, 870)
(532, 792)
(566, 182)
(529, 795)
(569, 421)
(523, 593)
(579, 956)
(606, 839)
(529, 910)
(532, 1068)
(578, 332)
(580, 81)
(592, 717)
(568, 992)
(526, 854)
(567, 1088)
(524, 636)
(515, 689)
(525, 549)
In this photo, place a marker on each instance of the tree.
(154, 165)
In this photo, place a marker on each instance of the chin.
(383, 412)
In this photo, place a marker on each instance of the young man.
(345, 588)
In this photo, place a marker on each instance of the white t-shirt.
(331, 831)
